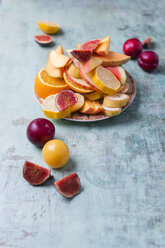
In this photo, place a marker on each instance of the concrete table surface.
(120, 161)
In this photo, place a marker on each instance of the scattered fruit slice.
(82, 55)
(147, 43)
(94, 95)
(46, 85)
(74, 71)
(119, 72)
(115, 101)
(105, 80)
(58, 60)
(92, 64)
(69, 185)
(43, 39)
(113, 59)
(88, 107)
(78, 82)
(111, 111)
(97, 107)
(79, 46)
(103, 46)
(74, 86)
(34, 173)
(59, 49)
(90, 45)
(65, 99)
(48, 27)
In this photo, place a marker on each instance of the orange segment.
(45, 85)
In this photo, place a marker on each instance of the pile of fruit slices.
(90, 80)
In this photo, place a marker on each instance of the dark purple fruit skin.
(133, 47)
(148, 60)
(39, 131)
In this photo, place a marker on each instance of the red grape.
(133, 47)
(39, 131)
(148, 60)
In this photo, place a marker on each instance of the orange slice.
(48, 27)
(45, 85)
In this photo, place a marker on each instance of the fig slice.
(65, 99)
(90, 45)
(34, 173)
(69, 185)
(82, 55)
(43, 39)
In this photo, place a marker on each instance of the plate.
(78, 117)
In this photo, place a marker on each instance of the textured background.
(119, 161)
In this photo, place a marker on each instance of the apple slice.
(103, 46)
(77, 81)
(119, 72)
(60, 50)
(94, 95)
(111, 111)
(98, 107)
(88, 107)
(105, 80)
(53, 71)
(74, 71)
(92, 64)
(115, 101)
(82, 55)
(125, 89)
(58, 60)
(90, 45)
(113, 59)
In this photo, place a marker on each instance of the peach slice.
(111, 111)
(116, 101)
(91, 44)
(74, 71)
(78, 82)
(113, 59)
(82, 55)
(103, 46)
(98, 107)
(58, 60)
(60, 50)
(65, 99)
(53, 71)
(88, 107)
(94, 95)
(92, 64)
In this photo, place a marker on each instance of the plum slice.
(65, 99)
(34, 173)
(82, 55)
(69, 185)
(90, 45)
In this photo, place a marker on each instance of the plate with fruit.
(89, 84)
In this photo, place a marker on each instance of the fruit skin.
(133, 47)
(88, 107)
(65, 99)
(69, 185)
(58, 60)
(113, 59)
(148, 60)
(94, 95)
(43, 39)
(39, 131)
(111, 111)
(90, 45)
(34, 173)
(48, 27)
(119, 73)
(55, 153)
(82, 55)
(92, 64)
(97, 107)
(103, 46)
(115, 101)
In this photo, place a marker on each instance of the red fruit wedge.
(69, 185)
(90, 45)
(82, 55)
(147, 43)
(34, 173)
(119, 73)
(43, 39)
(65, 99)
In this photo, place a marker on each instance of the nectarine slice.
(91, 44)
(53, 71)
(103, 46)
(58, 60)
(98, 107)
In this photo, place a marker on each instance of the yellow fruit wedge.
(115, 101)
(51, 111)
(74, 71)
(105, 80)
(48, 27)
(94, 96)
(53, 71)
(111, 111)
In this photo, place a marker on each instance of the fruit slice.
(69, 185)
(48, 27)
(119, 72)
(34, 173)
(103, 46)
(79, 82)
(94, 95)
(65, 99)
(92, 64)
(53, 71)
(68, 51)
(88, 107)
(58, 60)
(45, 85)
(113, 59)
(90, 45)
(74, 71)
(97, 107)
(60, 50)
(105, 80)
(74, 86)
(125, 89)
(111, 111)
(147, 43)
(43, 39)
(79, 103)
(115, 101)
(82, 55)
(79, 46)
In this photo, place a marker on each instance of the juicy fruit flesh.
(90, 45)
(107, 78)
(43, 38)
(51, 80)
(119, 73)
(82, 55)
(65, 99)
(35, 174)
(69, 185)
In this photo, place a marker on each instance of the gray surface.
(119, 161)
